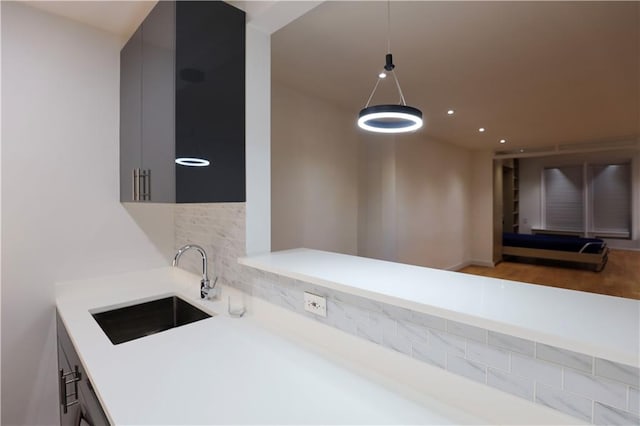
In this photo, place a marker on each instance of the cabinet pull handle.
(75, 377)
(134, 182)
(145, 178)
(141, 185)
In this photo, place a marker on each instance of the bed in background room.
(590, 251)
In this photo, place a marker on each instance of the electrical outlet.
(315, 304)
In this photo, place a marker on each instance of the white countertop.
(220, 370)
(598, 325)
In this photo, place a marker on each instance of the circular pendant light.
(387, 118)
(390, 118)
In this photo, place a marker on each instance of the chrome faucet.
(205, 285)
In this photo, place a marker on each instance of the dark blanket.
(552, 242)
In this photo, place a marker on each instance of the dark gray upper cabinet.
(182, 95)
(130, 113)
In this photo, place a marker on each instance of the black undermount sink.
(132, 322)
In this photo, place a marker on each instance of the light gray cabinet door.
(130, 113)
(158, 101)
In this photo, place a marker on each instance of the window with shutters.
(610, 192)
(564, 205)
(594, 199)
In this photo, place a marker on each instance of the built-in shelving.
(511, 194)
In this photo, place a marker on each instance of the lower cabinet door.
(79, 405)
(71, 415)
(91, 412)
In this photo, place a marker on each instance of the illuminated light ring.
(192, 162)
(390, 119)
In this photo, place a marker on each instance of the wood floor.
(620, 277)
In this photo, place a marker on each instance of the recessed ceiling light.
(481, 129)
(521, 150)
(382, 75)
(503, 141)
(450, 112)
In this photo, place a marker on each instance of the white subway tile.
(429, 354)
(359, 302)
(356, 314)
(468, 331)
(291, 299)
(371, 331)
(487, 355)
(515, 385)
(634, 400)
(447, 342)
(565, 402)
(538, 370)
(397, 343)
(370, 334)
(564, 357)
(261, 291)
(437, 323)
(387, 325)
(469, 369)
(596, 388)
(266, 292)
(413, 332)
(394, 312)
(344, 325)
(337, 317)
(512, 343)
(620, 372)
(335, 308)
(609, 416)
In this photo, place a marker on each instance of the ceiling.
(116, 17)
(533, 73)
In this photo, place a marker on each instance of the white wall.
(531, 185)
(402, 198)
(433, 202)
(0, 216)
(481, 232)
(425, 202)
(263, 19)
(430, 200)
(377, 219)
(258, 141)
(314, 174)
(61, 218)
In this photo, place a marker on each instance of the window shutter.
(611, 194)
(563, 198)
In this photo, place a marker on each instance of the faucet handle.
(204, 289)
(208, 291)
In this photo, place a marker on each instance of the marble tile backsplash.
(220, 229)
(592, 389)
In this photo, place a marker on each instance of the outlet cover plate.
(315, 304)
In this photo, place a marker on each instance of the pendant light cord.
(393, 72)
(399, 89)
(372, 93)
(388, 26)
